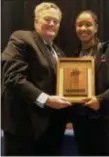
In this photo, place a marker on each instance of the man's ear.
(35, 20)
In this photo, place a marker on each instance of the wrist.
(41, 101)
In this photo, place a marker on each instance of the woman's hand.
(93, 103)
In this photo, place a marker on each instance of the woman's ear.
(96, 28)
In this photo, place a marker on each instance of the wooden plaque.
(75, 78)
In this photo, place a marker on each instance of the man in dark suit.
(33, 117)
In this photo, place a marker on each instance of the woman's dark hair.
(94, 16)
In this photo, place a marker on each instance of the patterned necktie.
(52, 55)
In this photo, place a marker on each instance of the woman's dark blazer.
(92, 127)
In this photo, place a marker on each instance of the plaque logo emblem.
(75, 72)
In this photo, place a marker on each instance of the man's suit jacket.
(26, 72)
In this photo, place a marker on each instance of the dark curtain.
(18, 14)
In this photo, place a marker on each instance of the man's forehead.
(53, 13)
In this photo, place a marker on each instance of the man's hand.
(57, 102)
(93, 103)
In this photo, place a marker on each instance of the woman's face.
(86, 27)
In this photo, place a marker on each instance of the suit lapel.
(42, 47)
(58, 51)
(98, 57)
(97, 61)
(44, 50)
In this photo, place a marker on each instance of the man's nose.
(51, 22)
(83, 27)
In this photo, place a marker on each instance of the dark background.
(18, 14)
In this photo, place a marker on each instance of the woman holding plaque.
(91, 119)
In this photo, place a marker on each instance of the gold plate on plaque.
(75, 78)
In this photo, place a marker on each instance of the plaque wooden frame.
(76, 78)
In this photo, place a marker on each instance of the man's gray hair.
(45, 6)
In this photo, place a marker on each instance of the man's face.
(85, 27)
(47, 25)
